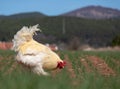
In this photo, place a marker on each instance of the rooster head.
(61, 65)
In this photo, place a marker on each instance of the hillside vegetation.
(88, 31)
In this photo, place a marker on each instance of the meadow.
(84, 70)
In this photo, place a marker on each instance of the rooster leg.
(43, 72)
(39, 70)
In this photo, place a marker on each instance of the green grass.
(19, 78)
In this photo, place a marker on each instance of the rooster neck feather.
(23, 36)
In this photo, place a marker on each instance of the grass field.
(84, 70)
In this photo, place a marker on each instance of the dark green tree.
(116, 41)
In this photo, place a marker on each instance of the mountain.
(24, 15)
(89, 12)
(94, 12)
(2, 16)
(64, 28)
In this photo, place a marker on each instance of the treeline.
(64, 29)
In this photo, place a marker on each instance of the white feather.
(23, 35)
(35, 61)
(31, 60)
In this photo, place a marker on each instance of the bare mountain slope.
(94, 12)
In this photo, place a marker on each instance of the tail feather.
(24, 35)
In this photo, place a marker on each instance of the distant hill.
(89, 12)
(24, 15)
(94, 12)
(65, 27)
(2, 16)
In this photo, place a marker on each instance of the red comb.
(61, 64)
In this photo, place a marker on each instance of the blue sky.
(51, 7)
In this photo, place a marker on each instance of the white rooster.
(33, 54)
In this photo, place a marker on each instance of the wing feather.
(31, 59)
